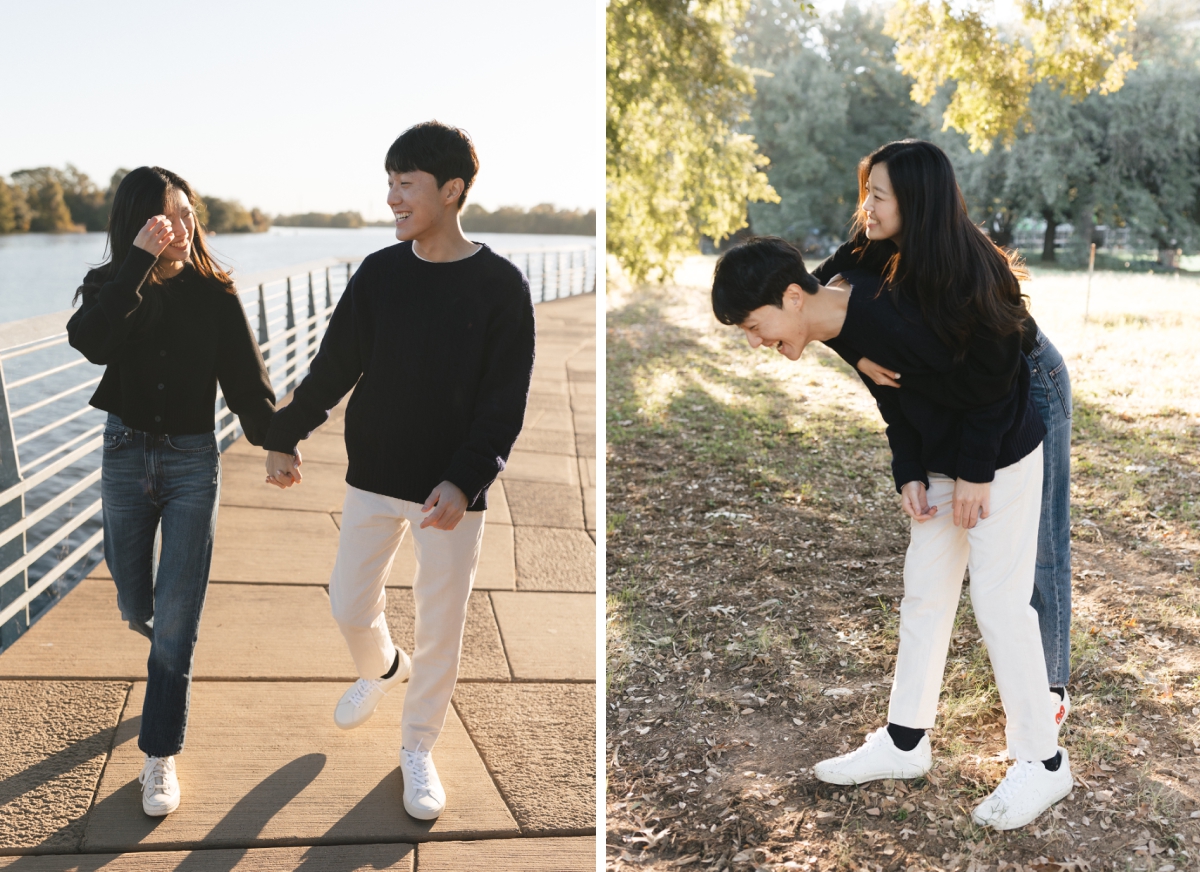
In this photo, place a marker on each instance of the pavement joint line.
(503, 647)
(164, 848)
(107, 757)
(512, 811)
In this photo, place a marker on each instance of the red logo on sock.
(1062, 713)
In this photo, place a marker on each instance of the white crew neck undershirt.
(478, 248)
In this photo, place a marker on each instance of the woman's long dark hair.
(960, 279)
(141, 195)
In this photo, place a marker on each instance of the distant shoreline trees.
(541, 219)
(50, 200)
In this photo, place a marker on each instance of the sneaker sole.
(423, 815)
(879, 775)
(159, 811)
(1017, 824)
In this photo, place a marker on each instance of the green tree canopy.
(48, 212)
(677, 167)
(829, 93)
(1077, 47)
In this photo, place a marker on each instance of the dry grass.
(754, 553)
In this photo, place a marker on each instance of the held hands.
(447, 504)
(155, 236)
(878, 374)
(914, 502)
(283, 470)
(972, 501)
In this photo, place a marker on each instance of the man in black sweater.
(436, 337)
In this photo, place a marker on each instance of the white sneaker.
(358, 703)
(160, 786)
(424, 797)
(1059, 709)
(1027, 790)
(877, 758)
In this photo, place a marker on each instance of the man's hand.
(283, 470)
(447, 505)
(972, 501)
(878, 374)
(914, 502)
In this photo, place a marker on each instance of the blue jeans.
(1050, 390)
(161, 486)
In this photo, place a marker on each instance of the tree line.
(50, 200)
(833, 92)
(541, 219)
(727, 116)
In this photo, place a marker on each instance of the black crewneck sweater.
(440, 357)
(925, 433)
(166, 347)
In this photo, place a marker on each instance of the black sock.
(905, 738)
(395, 666)
(1054, 762)
(1062, 693)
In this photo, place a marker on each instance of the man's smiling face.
(415, 201)
(784, 329)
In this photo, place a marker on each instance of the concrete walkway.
(269, 783)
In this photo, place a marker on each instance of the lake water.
(39, 272)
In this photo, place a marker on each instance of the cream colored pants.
(373, 526)
(1000, 552)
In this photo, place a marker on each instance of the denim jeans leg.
(130, 524)
(187, 472)
(1050, 389)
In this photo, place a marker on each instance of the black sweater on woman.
(924, 432)
(440, 357)
(165, 348)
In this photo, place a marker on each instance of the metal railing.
(50, 439)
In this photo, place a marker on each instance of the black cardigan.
(925, 433)
(164, 357)
(983, 376)
(440, 357)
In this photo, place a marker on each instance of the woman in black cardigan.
(167, 324)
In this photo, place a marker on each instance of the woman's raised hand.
(877, 373)
(155, 236)
(914, 502)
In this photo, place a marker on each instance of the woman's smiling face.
(880, 209)
(784, 329)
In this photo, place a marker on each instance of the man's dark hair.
(755, 274)
(442, 151)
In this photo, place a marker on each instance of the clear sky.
(291, 106)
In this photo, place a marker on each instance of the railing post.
(311, 330)
(13, 513)
(328, 294)
(263, 334)
(291, 346)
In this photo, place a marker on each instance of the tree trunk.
(1048, 255)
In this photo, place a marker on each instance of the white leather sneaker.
(1027, 790)
(1059, 709)
(424, 797)
(160, 786)
(358, 703)
(877, 758)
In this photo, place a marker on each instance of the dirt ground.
(754, 555)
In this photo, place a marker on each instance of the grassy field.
(755, 548)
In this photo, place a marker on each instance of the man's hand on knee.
(445, 507)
